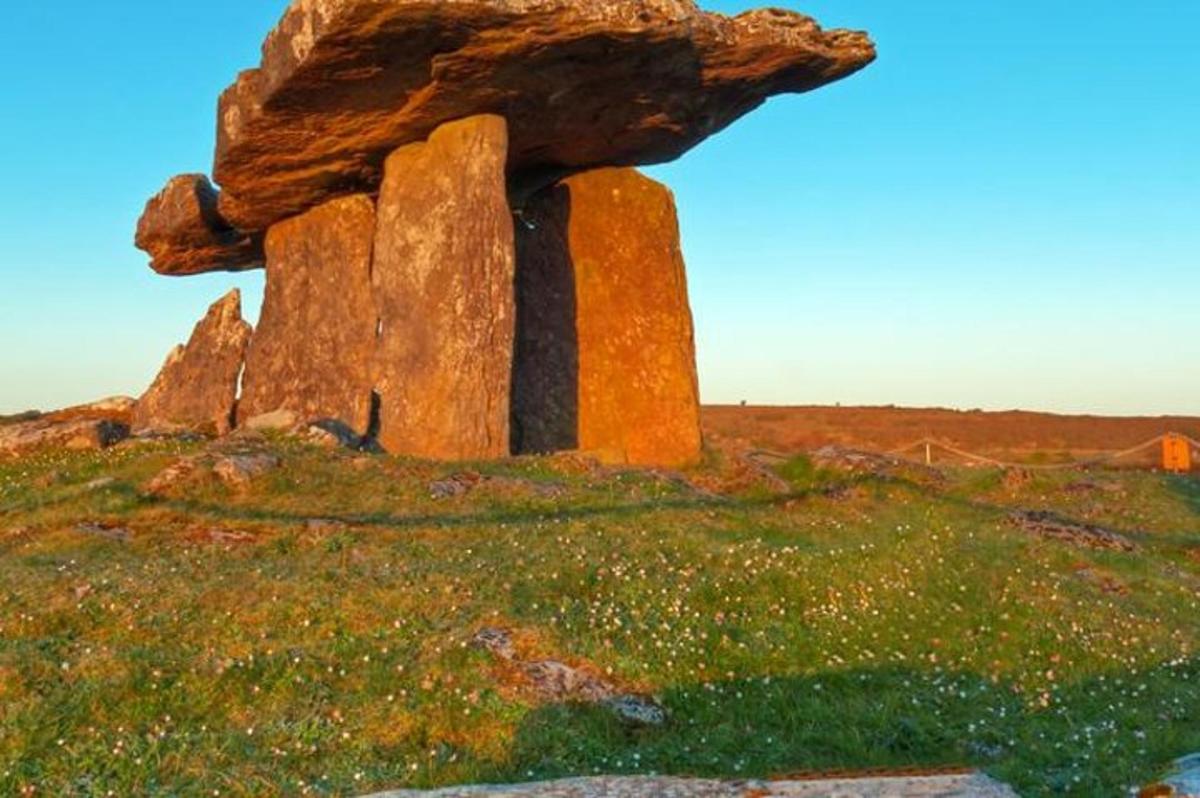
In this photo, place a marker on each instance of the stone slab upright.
(443, 281)
(606, 359)
(197, 386)
(311, 355)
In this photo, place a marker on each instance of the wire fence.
(929, 445)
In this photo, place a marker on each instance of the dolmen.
(462, 262)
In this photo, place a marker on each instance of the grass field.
(310, 634)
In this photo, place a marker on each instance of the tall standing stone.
(312, 352)
(606, 358)
(443, 280)
(197, 386)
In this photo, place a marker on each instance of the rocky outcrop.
(311, 355)
(197, 386)
(443, 280)
(184, 233)
(583, 83)
(92, 426)
(605, 354)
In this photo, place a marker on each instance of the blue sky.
(1003, 211)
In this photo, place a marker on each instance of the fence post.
(1177, 454)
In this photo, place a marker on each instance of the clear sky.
(1003, 211)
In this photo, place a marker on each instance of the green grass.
(888, 624)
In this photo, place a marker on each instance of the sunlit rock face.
(606, 359)
(311, 356)
(462, 263)
(197, 386)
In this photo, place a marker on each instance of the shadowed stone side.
(606, 359)
(197, 386)
(311, 354)
(443, 283)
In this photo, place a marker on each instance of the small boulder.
(239, 470)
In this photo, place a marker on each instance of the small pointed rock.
(197, 387)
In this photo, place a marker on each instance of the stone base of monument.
(441, 323)
(967, 785)
(461, 262)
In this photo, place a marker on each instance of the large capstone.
(605, 360)
(197, 386)
(311, 355)
(582, 83)
(443, 283)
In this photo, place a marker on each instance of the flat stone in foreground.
(972, 785)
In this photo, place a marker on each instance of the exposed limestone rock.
(555, 681)
(92, 426)
(197, 386)
(18, 439)
(606, 359)
(311, 353)
(583, 83)
(965, 785)
(443, 281)
(240, 470)
(1051, 525)
(184, 233)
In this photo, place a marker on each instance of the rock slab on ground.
(311, 354)
(971, 785)
(92, 426)
(555, 681)
(197, 386)
(606, 358)
(443, 281)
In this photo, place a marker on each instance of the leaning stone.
(586, 83)
(606, 359)
(443, 280)
(197, 386)
(310, 356)
(183, 232)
